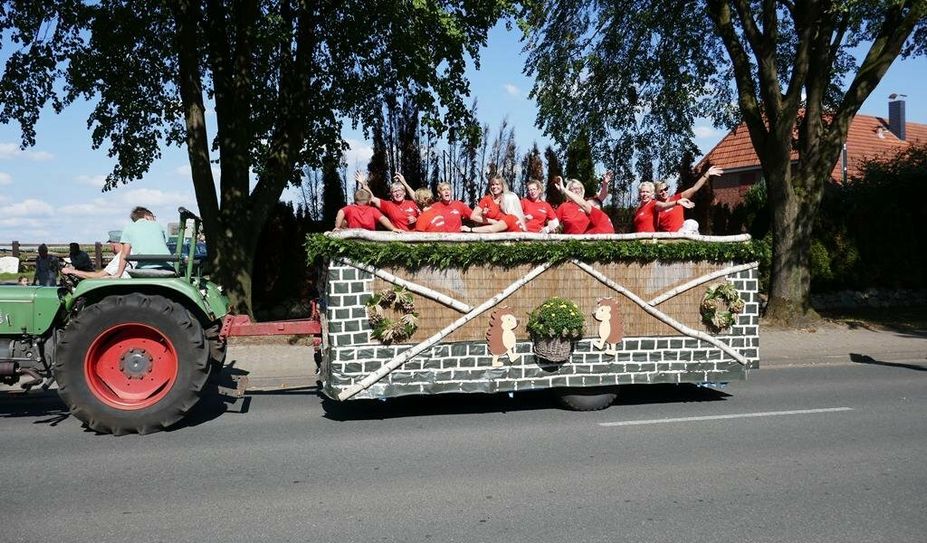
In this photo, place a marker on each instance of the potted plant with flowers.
(554, 326)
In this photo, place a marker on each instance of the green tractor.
(128, 355)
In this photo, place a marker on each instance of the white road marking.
(722, 417)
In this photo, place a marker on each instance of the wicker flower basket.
(553, 349)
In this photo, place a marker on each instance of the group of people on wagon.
(501, 210)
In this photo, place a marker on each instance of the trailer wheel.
(133, 363)
(586, 398)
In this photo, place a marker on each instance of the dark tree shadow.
(866, 359)
(46, 405)
(533, 400)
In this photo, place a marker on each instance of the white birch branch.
(662, 317)
(427, 237)
(403, 357)
(701, 280)
(414, 287)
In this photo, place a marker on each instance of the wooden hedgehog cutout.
(501, 335)
(611, 329)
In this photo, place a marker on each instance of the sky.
(51, 192)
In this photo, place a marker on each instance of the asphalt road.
(804, 454)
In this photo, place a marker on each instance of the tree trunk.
(795, 202)
(232, 251)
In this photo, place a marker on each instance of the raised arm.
(582, 203)
(409, 192)
(361, 179)
(603, 186)
(714, 171)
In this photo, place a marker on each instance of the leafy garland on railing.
(414, 256)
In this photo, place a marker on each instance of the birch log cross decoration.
(661, 316)
(406, 355)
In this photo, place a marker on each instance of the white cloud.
(511, 89)
(705, 132)
(91, 180)
(27, 208)
(90, 209)
(154, 198)
(5, 178)
(12, 150)
(358, 156)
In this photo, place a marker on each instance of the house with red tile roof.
(868, 138)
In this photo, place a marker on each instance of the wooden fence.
(27, 252)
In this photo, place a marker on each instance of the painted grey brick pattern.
(349, 353)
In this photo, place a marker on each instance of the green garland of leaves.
(719, 305)
(462, 255)
(386, 329)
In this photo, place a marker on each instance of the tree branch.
(720, 14)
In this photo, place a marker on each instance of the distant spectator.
(23, 281)
(109, 272)
(362, 215)
(80, 260)
(143, 236)
(46, 268)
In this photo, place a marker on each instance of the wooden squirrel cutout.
(501, 335)
(611, 329)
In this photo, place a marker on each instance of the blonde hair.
(660, 185)
(511, 205)
(397, 185)
(576, 183)
(424, 198)
(505, 184)
(361, 196)
(646, 185)
(442, 185)
(535, 182)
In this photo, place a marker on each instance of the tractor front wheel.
(133, 363)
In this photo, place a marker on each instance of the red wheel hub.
(131, 366)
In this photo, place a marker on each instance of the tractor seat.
(151, 273)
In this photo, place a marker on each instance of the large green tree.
(283, 75)
(637, 73)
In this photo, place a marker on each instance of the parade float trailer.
(411, 314)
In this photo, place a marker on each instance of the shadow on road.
(467, 404)
(43, 404)
(866, 359)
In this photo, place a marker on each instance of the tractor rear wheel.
(132, 363)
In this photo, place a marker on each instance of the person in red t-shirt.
(362, 215)
(578, 215)
(400, 211)
(446, 215)
(494, 213)
(539, 215)
(645, 218)
(673, 219)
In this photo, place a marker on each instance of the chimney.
(896, 121)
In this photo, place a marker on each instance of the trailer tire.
(586, 398)
(132, 364)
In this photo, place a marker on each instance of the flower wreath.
(719, 306)
(388, 330)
